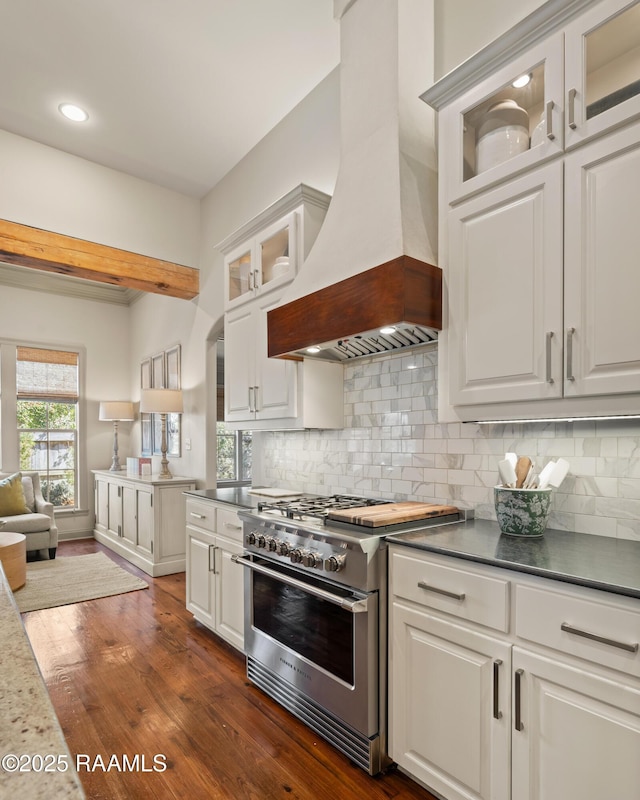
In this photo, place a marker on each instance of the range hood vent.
(371, 265)
(389, 307)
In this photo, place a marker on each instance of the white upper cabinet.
(539, 239)
(266, 253)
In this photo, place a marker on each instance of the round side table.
(13, 555)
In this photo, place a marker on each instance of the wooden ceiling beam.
(25, 246)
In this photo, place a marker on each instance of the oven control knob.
(334, 563)
(296, 556)
(312, 559)
(272, 544)
(251, 538)
(283, 548)
(261, 540)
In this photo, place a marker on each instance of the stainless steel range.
(315, 617)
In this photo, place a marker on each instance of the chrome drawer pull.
(518, 700)
(570, 375)
(572, 109)
(548, 353)
(497, 714)
(197, 516)
(423, 585)
(630, 648)
(549, 120)
(232, 526)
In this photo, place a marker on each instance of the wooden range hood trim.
(25, 246)
(402, 290)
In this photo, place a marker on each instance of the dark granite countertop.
(599, 562)
(235, 495)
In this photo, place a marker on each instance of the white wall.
(103, 331)
(46, 188)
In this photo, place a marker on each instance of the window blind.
(43, 373)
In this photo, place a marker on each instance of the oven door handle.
(354, 606)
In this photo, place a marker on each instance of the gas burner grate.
(317, 507)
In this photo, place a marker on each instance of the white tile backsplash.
(392, 446)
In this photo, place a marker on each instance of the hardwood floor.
(134, 674)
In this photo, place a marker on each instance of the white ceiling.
(178, 91)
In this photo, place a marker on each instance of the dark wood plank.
(135, 674)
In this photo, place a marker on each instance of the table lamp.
(163, 402)
(115, 411)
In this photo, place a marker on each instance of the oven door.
(319, 637)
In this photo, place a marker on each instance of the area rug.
(73, 579)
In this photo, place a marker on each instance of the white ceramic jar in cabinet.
(215, 585)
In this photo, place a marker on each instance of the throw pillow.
(29, 497)
(12, 500)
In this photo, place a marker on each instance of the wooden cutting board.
(390, 513)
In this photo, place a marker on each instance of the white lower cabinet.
(215, 585)
(142, 519)
(543, 707)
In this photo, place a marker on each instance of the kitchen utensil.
(543, 480)
(531, 481)
(390, 513)
(560, 470)
(523, 465)
(512, 457)
(507, 473)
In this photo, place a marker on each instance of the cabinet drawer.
(464, 594)
(597, 630)
(228, 523)
(201, 514)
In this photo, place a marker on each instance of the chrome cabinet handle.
(426, 587)
(572, 108)
(570, 375)
(212, 558)
(630, 648)
(256, 285)
(518, 690)
(251, 398)
(232, 526)
(549, 375)
(255, 398)
(549, 121)
(197, 516)
(497, 714)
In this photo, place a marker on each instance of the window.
(234, 455)
(47, 419)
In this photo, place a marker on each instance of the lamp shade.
(112, 410)
(161, 401)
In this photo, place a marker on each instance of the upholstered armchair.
(36, 521)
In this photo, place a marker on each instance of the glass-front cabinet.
(602, 73)
(576, 84)
(264, 262)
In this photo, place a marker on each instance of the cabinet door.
(579, 734)
(276, 253)
(200, 578)
(144, 515)
(240, 274)
(449, 706)
(505, 292)
(115, 508)
(481, 146)
(602, 277)
(229, 588)
(275, 378)
(102, 504)
(239, 365)
(602, 73)
(130, 515)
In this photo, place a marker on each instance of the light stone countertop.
(28, 724)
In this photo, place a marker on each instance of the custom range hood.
(369, 284)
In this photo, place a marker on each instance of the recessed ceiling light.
(313, 349)
(523, 80)
(73, 112)
(388, 329)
